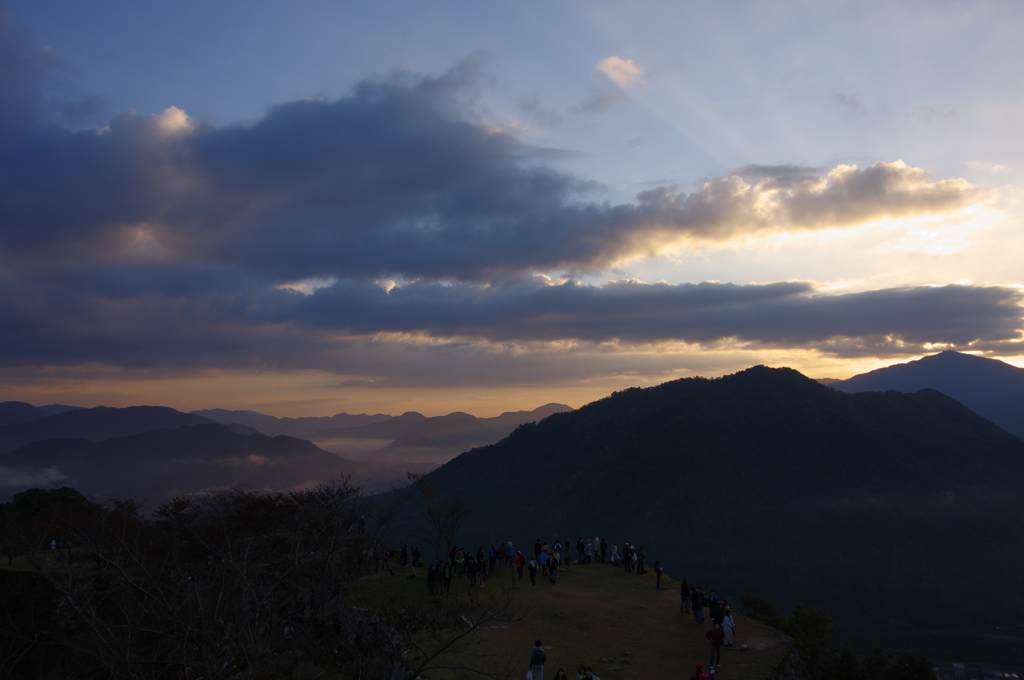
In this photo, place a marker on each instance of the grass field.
(597, 616)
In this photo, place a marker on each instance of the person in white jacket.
(729, 625)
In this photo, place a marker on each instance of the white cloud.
(622, 72)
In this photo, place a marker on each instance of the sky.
(311, 207)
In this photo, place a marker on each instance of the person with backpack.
(553, 569)
(520, 562)
(715, 608)
(696, 605)
(533, 571)
(658, 571)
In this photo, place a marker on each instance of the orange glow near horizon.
(295, 394)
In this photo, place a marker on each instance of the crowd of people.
(723, 626)
(547, 559)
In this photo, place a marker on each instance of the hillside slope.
(899, 508)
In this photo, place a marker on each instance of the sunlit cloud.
(622, 72)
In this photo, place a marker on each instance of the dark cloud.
(786, 314)
(36, 86)
(163, 242)
(399, 178)
(165, 315)
(850, 102)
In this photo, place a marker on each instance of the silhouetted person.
(537, 660)
(717, 637)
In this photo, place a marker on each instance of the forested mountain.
(898, 513)
(993, 388)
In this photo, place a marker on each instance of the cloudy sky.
(311, 207)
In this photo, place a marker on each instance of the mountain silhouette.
(423, 440)
(993, 388)
(18, 412)
(164, 463)
(95, 424)
(769, 482)
(295, 427)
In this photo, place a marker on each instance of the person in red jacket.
(520, 562)
(700, 674)
(717, 637)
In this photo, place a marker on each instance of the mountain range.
(410, 440)
(293, 427)
(12, 412)
(95, 424)
(156, 452)
(897, 512)
(993, 388)
(157, 465)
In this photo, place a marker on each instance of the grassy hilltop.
(899, 514)
(596, 615)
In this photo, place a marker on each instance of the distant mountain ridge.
(18, 412)
(992, 388)
(95, 424)
(294, 427)
(442, 427)
(380, 425)
(118, 446)
(418, 438)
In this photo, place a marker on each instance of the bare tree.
(241, 583)
(438, 518)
